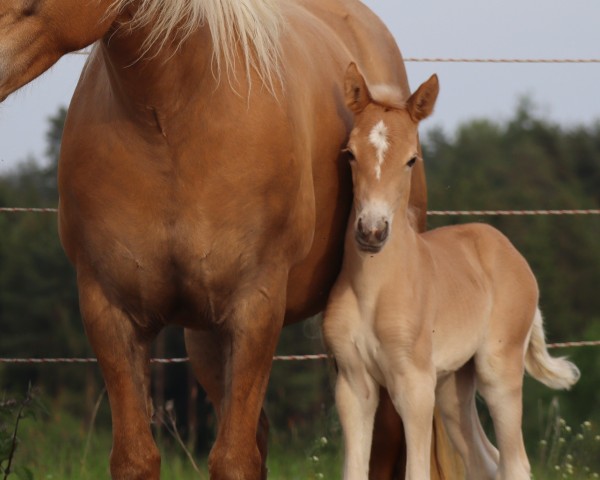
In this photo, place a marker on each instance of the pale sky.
(565, 93)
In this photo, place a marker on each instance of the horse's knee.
(229, 463)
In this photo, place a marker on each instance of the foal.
(429, 316)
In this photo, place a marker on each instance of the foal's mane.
(253, 25)
(388, 96)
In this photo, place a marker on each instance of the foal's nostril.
(360, 227)
(363, 232)
(382, 233)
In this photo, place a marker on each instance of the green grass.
(320, 459)
(57, 448)
(567, 452)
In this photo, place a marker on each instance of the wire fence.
(281, 358)
(430, 212)
(465, 60)
(321, 356)
(502, 60)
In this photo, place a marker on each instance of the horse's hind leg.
(207, 352)
(500, 381)
(123, 351)
(455, 397)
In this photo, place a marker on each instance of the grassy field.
(60, 448)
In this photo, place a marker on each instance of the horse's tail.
(557, 373)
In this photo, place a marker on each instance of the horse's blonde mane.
(253, 25)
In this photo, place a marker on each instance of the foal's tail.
(557, 373)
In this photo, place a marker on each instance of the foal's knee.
(413, 395)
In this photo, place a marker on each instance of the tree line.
(525, 162)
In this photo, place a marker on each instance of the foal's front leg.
(356, 396)
(412, 389)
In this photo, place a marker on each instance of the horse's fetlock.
(234, 464)
(144, 464)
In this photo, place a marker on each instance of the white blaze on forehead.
(379, 139)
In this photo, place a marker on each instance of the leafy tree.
(39, 313)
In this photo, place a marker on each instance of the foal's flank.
(430, 316)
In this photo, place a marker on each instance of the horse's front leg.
(412, 389)
(388, 452)
(356, 397)
(123, 351)
(207, 352)
(251, 330)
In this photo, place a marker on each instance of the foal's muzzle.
(370, 237)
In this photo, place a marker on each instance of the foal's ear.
(357, 92)
(421, 103)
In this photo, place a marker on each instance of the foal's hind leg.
(123, 350)
(500, 381)
(455, 397)
(207, 352)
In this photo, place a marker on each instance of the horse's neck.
(148, 79)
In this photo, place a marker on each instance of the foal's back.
(484, 291)
(480, 259)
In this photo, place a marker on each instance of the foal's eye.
(412, 161)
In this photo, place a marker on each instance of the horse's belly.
(457, 336)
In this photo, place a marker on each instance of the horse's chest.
(169, 274)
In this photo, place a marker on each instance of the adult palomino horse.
(201, 184)
(454, 306)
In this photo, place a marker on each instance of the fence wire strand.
(468, 60)
(284, 358)
(501, 60)
(430, 212)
